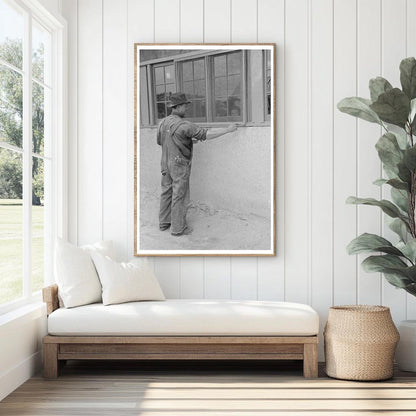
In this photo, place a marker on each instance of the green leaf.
(381, 263)
(380, 182)
(397, 280)
(408, 77)
(359, 107)
(378, 86)
(389, 151)
(388, 207)
(400, 198)
(392, 107)
(404, 173)
(408, 249)
(398, 184)
(366, 243)
(400, 228)
(410, 158)
(401, 139)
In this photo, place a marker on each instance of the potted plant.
(394, 109)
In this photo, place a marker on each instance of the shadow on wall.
(230, 173)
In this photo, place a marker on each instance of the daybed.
(181, 329)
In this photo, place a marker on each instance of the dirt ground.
(213, 229)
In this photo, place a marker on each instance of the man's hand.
(231, 128)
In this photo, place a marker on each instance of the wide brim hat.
(177, 98)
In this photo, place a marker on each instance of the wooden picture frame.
(232, 202)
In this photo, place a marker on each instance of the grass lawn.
(11, 249)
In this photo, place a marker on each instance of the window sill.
(218, 125)
(17, 309)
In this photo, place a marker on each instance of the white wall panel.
(368, 162)
(326, 50)
(411, 51)
(393, 51)
(271, 29)
(297, 201)
(321, 156)
(345, 151)
(115, 179)
(90, 128)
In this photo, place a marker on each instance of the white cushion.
(180, 317)
(126, 282)
(75, 273)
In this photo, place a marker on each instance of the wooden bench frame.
(58, 349)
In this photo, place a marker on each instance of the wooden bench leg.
(310, 360)
(50, 360)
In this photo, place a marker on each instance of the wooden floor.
(192, 389)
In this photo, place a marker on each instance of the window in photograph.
(165, 85)
(194, 86)
(228, 87)
(268, 79)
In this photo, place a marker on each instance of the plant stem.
(412, 196)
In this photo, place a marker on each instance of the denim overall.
(175, 136)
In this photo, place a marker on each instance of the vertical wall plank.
(244, 270)
(70, 12)
(167, 21)
(296, 152)
(244, 21)
(90, 128)
(393, 51)
(411, 51)
(167, 273)
(345, 151)
(271, 270)
(192, 21)
(369, 168)
(217, 21)
(217, 278)
(115, 180)
(321, 169)
(192, 277)
(217, 271)
(192, 31)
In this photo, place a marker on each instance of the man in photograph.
(176, 136)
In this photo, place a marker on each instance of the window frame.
(177, 60)
(57, 181)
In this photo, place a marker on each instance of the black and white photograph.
(204, 149)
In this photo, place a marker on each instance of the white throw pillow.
(126, 282)
(75, 273)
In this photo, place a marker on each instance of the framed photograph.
(204, 149)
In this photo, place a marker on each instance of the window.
(165, 85)
(268, 81)
(193, 84)
(28, 205)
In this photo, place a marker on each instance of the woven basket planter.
(360, 341)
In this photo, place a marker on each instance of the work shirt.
(175, 136)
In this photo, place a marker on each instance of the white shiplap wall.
(326, 50)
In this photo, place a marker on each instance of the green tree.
(11, 116)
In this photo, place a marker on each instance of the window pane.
(11, 106)
(11, 226)
(234, 83)
(38, 118)
(220, 86)
(160, 75)
(169, 74)
(199, 69)
(187, 71)
(200, 88)
(234, 106)
(161, 110)
(11, 34)
(41, 46)
(234, 63)
(188, 88)
(170, 88)
(221, 107)
(160, 93)
(220, 66)
(37, 224)
(200, 110)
